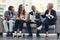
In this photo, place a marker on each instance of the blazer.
(37, 15)
(53, 13)
(53, 20)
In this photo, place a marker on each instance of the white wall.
(15, 3)
(40, 4)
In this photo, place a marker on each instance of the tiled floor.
(33, 38)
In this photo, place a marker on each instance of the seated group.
(14, 21)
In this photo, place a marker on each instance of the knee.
(17, 21)
(11, 21)
(46, 22)
(4, 22)
(28, 22)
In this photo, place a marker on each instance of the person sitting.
(51, 17)
(9, 18)
(34, 17)
(20, 19)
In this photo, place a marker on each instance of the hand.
(40, 27)
(18, 18)
(51, 16)
(24, 19)
(7, 17)
(36, 19)
(29, 19)
(48, 16)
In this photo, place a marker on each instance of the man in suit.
(9, 19)
(51, 17)
(34, 17)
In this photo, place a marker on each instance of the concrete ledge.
(34, 34)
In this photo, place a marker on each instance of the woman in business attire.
(20, 19)
(51, 17)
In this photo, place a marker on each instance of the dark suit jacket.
(53, 12)
(37, 15)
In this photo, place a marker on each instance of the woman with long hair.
(20, 19)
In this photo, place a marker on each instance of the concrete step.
(34, 34)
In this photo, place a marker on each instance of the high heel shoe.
(15, 34)
(19, 34)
